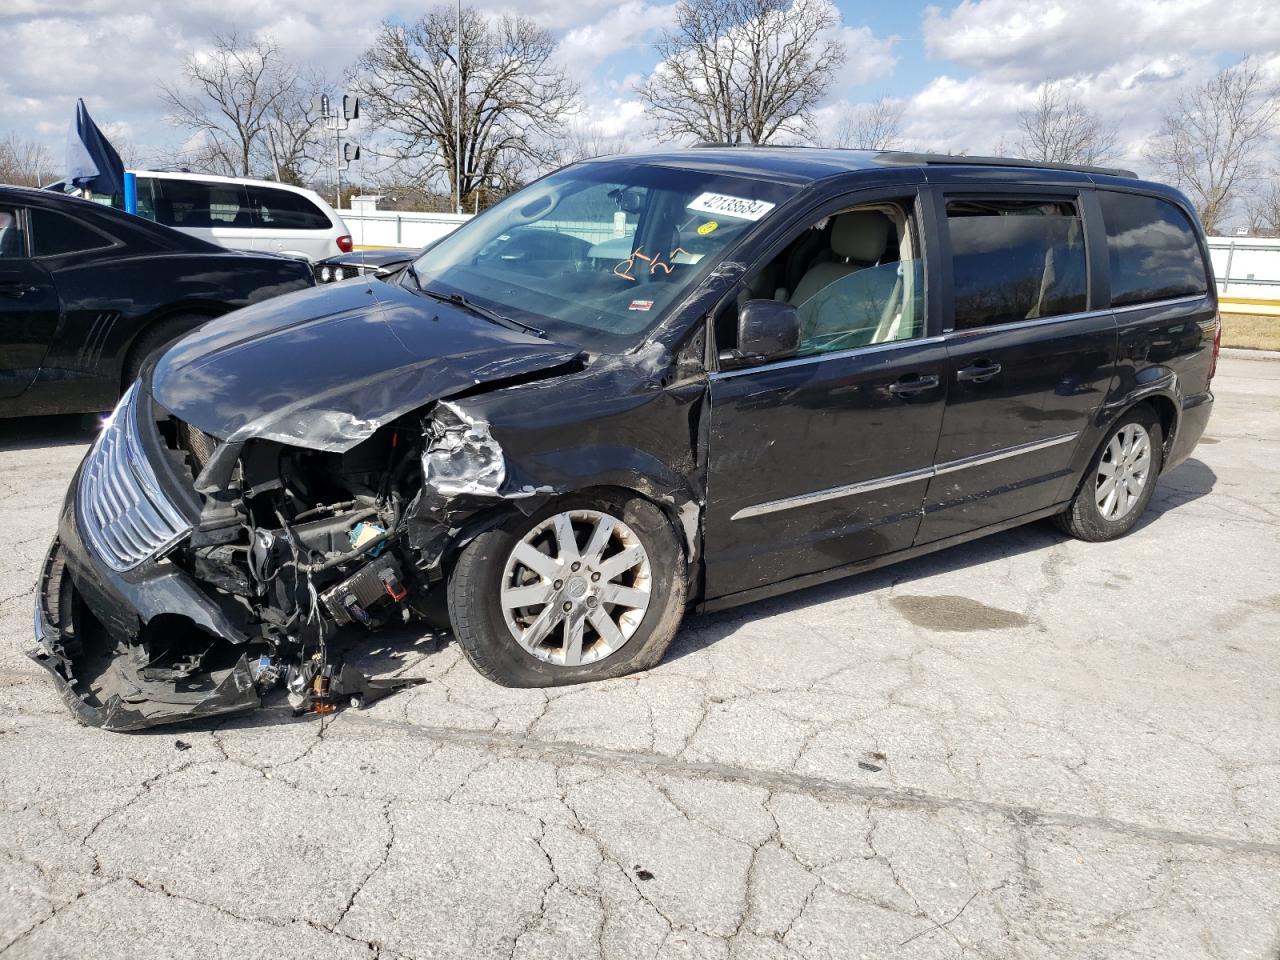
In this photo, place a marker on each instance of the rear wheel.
(1120, 481)
(590, 587)
(153, 341)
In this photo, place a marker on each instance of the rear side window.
(197, 203)
(1153, 249)
(12, 245)
(1015, 259)
(53, 234)
(284, 210)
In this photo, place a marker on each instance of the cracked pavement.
(1021, 747)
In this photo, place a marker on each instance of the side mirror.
(767, 330)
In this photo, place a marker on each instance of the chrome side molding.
(910, 476)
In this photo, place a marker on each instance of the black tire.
(153, 340)
(477, 618)
(1083, 519)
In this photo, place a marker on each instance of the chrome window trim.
(818, 357)
(1037, 322)
(1168, 302)
(910, 476)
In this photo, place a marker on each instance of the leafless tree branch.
(743, 71)
(1209, 142)
(1061, 129)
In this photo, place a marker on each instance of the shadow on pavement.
(33, 433)
(1184, 484)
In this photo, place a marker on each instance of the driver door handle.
(911, 384)
(16, 289)
(978, 373)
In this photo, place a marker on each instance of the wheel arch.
(204, 309)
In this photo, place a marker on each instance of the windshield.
(597, 253)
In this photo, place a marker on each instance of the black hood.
(324, 368)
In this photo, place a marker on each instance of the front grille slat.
(125, 516)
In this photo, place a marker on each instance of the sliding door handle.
(978, 373)
(912, 384)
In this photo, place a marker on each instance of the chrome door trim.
(833, 493)
(951, 466)
(893, 480)
(1168, 302)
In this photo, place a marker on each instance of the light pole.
(338, 121)
(457, 127)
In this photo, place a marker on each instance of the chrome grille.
(124, 516)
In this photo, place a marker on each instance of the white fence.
(1246, 267)
(395, 228)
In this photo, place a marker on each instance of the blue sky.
(960, 70)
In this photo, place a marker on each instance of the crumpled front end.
(191, 577)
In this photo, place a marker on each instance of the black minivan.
(641, 384)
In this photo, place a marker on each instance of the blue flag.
(92, 162)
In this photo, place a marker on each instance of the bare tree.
(25, 163)
(513, 97)
(1263, 208)
(1061, 129)
(868, 126)
(743, 71)
(1209, 141)
(249, 107)
(581, 140)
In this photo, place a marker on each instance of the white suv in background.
(243, 214)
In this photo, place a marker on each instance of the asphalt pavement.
(1025, 746)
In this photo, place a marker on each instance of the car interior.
(853, 277)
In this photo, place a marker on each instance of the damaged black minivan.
(642, 384)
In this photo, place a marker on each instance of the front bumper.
(99, 681)
(86, 617)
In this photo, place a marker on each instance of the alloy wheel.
(576, 587)
(1123, 472)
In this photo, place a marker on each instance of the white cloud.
(1039, 39)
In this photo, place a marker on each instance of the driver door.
(822, 459)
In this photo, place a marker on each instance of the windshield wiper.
(480, 311)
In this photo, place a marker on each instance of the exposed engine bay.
(299, 553)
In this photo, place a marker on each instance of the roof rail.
(916, 159)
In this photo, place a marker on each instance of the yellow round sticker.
(708, 227)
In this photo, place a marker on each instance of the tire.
(154, 339)
(491, 575)
(1085, 518)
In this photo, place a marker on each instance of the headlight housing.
(461, 456)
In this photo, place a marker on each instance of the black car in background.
(363, 263)
(88, 293)
(641, 385)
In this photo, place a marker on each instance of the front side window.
(54, 234)
(284, 210)
(598, 253)
(199, 203)
(1015, 259)
(13, 246)
(855, 278)
(1153, 250)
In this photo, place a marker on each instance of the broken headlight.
(461, 456)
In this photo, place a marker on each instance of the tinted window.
(196, 203)
(53, 234)
(1015, 260)
(283, 210)
(12, 246)
(1153, 250)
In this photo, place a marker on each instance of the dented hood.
(324, 368)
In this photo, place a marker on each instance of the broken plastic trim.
(462, 457)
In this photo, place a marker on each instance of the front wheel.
(588, 588)
(1120, 481)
